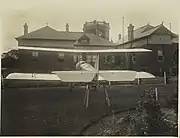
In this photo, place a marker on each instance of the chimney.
(130, 32)
(25, 29)
(119, 36)
(67, 27)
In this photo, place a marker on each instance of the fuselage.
(83, 65)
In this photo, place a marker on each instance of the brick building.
(95, 35)
(162, 42)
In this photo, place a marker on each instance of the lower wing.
(32, 76)
(122, 75)
(83, 76)
(64, 76)
(117, 75)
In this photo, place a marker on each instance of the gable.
(83, 39)
(162, 30)
(93, 40)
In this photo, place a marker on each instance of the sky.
(37, 13)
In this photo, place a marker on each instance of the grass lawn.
(56, 111)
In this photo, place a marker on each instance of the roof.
(50, 33)
(94, 40)
(144, 31)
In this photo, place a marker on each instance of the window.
(109, 59)
(35, 54)
(60, 56)
(94, 58)
(79, 58)
(75, 58)
(160, 55)
(106, 59)
(89, 58)
(133, 58)
(113, 59)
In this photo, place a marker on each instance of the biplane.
(87, 73)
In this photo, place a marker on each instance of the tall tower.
(100, 28)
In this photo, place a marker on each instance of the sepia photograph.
(89, 68)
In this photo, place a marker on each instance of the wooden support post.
(138, 81)
(156, 94)
(165, 78)
(113, 117)
(70, 87)
(85, 96)
(109, 83)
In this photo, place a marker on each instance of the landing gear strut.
(86, 96)
(106, 96)
(70, 87)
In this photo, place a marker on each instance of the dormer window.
(84, 39)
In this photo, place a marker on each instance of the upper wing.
(31, 76)
(86, 51)
(75, 76)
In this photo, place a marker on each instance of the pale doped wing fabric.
(100, 78)
(116, 75)
(86, 51)
(144, 75)
(30, 76)
(75, 76)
